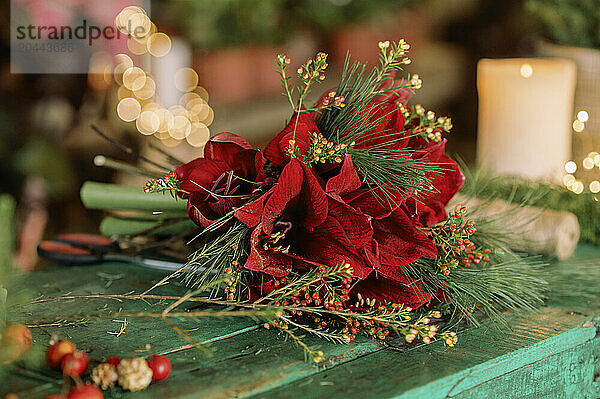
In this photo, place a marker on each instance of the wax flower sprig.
(425, 123)
(394, 54)
(318, 302)
(167, 183)
(453, 238)
(309, 73)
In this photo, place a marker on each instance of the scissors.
(86, 249)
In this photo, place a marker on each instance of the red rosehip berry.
(160, 365)
(75, 364)
(115, 360)
(56, 352)
(85, 391)
(16, 340)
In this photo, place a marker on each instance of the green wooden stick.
(7, 230)
(115, 197)
(7, 246)
(114, 226)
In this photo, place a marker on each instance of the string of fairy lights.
(189, 120)
(588, 163)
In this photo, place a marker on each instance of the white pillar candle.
(525, 115)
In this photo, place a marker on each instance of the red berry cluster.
(167, 182)
(74, 363)
(313, 69)
(453, 238)
(233, 272)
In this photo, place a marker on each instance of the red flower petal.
(389, 129)
(356, 226)
(299, 193)
(251, 213)
(431, 207)
(329, 245)
(400, 243)
(199, 211)
(200, 173)
(267, 261)
(276, 149)
(394, 91)
(346, 181)
(231, 138)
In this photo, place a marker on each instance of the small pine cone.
(105, 375)
(134, 374)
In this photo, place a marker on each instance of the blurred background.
(211, 62)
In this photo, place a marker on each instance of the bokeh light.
(201, 91)
(199, 134)
(570, 167)
(186, 79)
(137, 91)
(583, 116)
(147, 123)
(134, 78)
(136, 47)
(138, 25)
(129, 109)
(526, 70)
(122, 18)
(165, 118)
(595, 186)
(577, 187)
(180, 128)
(159, 44)
(147, 91)
(578, 126)
(568, 180)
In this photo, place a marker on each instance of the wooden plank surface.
(248, 360)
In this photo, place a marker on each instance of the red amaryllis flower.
(296, 226)
(395, 241)
(300, 128)
(220, 180)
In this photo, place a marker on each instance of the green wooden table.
(549, 353)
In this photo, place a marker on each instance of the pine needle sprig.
(359, 89)
(209, 263)
(509, 282)
(389, 168)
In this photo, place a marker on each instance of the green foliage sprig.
(568, 22)
(384, 165)
(502, 281)
(585, 206)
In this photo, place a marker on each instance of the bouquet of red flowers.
(340, 224)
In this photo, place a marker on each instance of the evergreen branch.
(518, 190)
(209, 263)
(387, 168)
(510, 284)
(335, 337)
